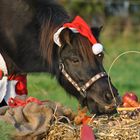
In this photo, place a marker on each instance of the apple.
(125, 104)
(130, 95)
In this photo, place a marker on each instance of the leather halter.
(82, 89)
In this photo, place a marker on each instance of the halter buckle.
(61, 66)
(83, 92)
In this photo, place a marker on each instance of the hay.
(61, 131)
(102, 131)
(116, 128)
(104, 127)
(53, 121)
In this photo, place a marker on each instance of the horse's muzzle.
(98, 106)
(111, 108)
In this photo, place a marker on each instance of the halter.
(82, 89)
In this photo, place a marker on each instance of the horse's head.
(83, 74)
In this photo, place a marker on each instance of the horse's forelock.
(81, 43)
(84, 47)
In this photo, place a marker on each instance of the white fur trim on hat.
(56, 36)
(74, 30)
(3, 66)
(97, 48)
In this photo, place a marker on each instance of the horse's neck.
(26, 60)
(20, 30)
(19, 37)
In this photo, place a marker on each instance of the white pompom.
(97, 48)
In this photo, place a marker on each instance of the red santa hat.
(78, 25)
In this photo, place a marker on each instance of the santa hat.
(78, 25)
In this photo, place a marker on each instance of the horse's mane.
(51, 17)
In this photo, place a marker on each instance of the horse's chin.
(104, 110)
(100, 109)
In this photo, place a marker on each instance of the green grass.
(44, 87)
(125, 73)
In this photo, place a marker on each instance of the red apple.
(125, 104)
(131, 102)
(131, 95)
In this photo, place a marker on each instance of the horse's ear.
(65, 36)
(96, 31)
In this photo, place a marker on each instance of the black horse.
(26, 43)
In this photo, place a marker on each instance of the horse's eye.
(101, 55)
(75, 60)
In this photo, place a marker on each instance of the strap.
(61, 67)
(82, 89)
(93, 80)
